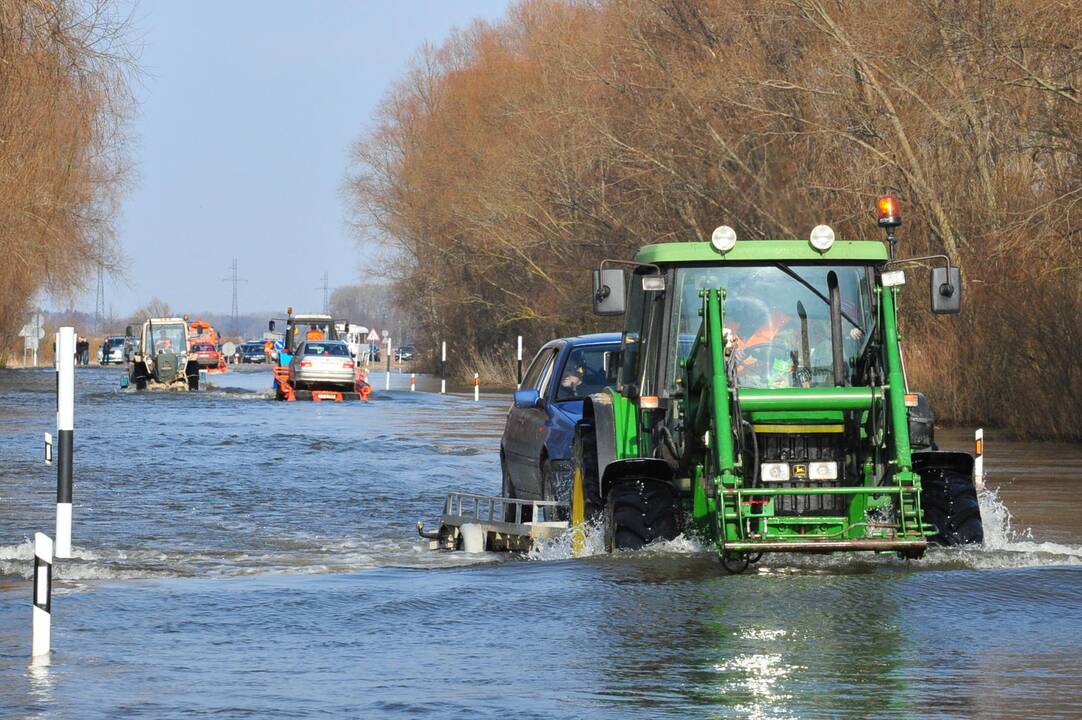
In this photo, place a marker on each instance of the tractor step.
(479, 523)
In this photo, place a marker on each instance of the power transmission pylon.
(325, 287)
(235, 313)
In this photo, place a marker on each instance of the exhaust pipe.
(836, 329)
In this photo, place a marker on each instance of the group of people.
(82, 351)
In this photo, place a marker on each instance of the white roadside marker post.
(413, 382)
(443, 369)
(978, 460)
(519, 380)
(65, 430)
(48, 448)
(476, 387)
(43, 592)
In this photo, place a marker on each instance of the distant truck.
(161, 359)
(204, 346)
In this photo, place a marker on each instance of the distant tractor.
(761, 402)
(162, 359)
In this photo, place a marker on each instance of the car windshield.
(584, 372)
(330, 349)
(168, 337)
(203, 347)
(116, 342)
(779, 316)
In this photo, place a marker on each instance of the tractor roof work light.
(822, 237)
(723, 239)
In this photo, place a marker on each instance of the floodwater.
(238, 557)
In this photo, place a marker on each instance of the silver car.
(322, 365)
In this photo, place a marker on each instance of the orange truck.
(204, 346)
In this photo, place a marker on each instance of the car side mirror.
(946, 290)
(526, 399)
(609, 292)
(270, 326)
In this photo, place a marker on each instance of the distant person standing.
(82, 351)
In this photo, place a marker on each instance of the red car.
(205, 354)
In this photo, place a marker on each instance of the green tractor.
(760, 402)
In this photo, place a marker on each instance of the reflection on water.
(235, 556)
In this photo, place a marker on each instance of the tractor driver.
(763, 335)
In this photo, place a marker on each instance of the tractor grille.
(799, 449)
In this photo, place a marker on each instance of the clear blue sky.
(247, 112)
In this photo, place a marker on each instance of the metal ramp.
(479, 523)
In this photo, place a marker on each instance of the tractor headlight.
(822, 237)
(823, 470)
(774, 472)
(723, 239)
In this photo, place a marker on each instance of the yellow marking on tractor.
(578, 514)
(798, 428)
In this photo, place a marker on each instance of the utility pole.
(235, 280)
(325, 287)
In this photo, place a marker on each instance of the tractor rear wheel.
(949, 501)
(640, 511)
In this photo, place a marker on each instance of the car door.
(515, 438)
(535, 426)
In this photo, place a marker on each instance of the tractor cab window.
(641, 338)
(167, 338)
(779, 319)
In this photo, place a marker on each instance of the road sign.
(229, 348)
(373, 336)
(34, 329)
(279, 345)
(31, 343)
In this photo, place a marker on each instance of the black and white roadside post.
(65, 429)
(387, 383)
(43, 593)
(519, 380)
(476, 387)
(443, 369)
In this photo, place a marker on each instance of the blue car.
(535, 451)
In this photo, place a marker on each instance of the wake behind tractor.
(760, 401)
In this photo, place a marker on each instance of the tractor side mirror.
(609, 293)
(946, 290)
(270, 326)
(128, 331)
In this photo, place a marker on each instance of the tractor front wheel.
(949, 501)
(640, 511)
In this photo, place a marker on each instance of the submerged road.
(239, 557)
